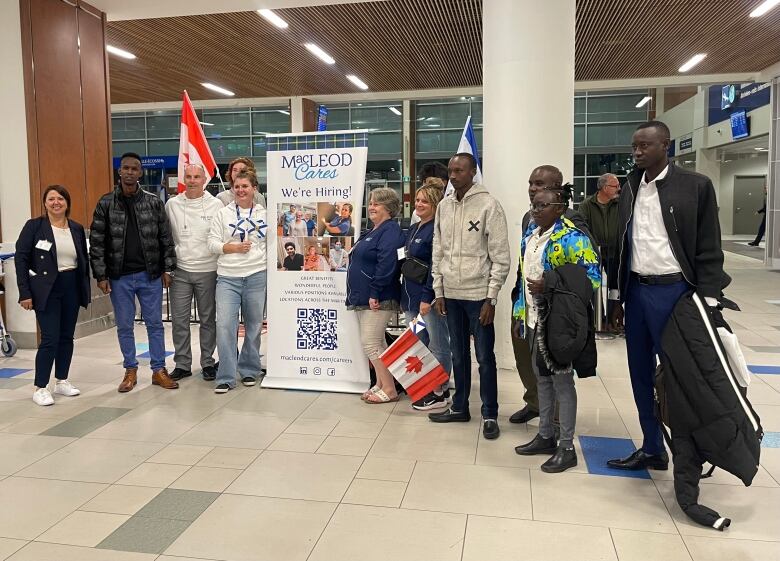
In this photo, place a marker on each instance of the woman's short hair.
(63, 192)
(435, 182)
(250, 166)
(250, 175)
(430, 194)
(388, 198)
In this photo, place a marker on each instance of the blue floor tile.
(11, 372)
(763, 369)
(771, 440)
(147, 355)
(598, 449)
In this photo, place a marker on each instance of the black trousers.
(58, 323)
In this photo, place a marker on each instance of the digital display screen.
(739, 125)
(322, 118)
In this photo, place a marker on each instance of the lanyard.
(245, 226)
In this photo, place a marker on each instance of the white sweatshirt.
(228, 226)
(190, 223)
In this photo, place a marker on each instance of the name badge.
(45, 245)
(401, 253)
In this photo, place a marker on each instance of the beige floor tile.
(455, 442)
(366, 532)
(180, 454)
(9, 546)
(387, 469)
(32, 425)
(21, 515)
(753, 511)
(233, 458)
(488, 490)
(576, 498)
(346, 446)
(206, 479)
(312, 426)
(770, 461)
(97, 460)
(600, 421)
(20, 450)
(286, 404)
(122, 499)
(39, 551)
(373, 492)
(235, 430)
(295, 527)
(337, 406)
(294, 475)
(86, 529)
(153, 475)
(357, 429)
(721, 549)
(156, 423)
(291, 442)
(500, 539)
(646, 546)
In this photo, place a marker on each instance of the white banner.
(315, 190)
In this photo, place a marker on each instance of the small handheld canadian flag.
(412, 364)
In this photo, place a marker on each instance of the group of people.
(313, 259)
(196, 245)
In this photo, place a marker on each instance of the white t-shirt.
(67, 259)
(533, 268)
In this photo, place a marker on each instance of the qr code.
(317, 329)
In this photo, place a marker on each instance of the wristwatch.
(492, 301)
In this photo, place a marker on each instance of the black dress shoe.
(490, 429)
(209, 373)
(524, 415)
(641, 460)
(450, 416)
(179, 373)
(563, 459)
(538, 445)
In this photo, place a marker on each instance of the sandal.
(372, 390)
(380, 396)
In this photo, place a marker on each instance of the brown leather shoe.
(129, 381)
(163, 379)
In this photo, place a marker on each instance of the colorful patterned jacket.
(567, 245)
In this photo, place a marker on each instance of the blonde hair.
(430, 194)
(250, 175)
(435, 182)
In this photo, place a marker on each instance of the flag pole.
(219, 175)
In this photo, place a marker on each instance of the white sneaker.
(64, 387)
(42, 396)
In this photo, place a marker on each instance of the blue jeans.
(463, 321)
(148, 291)
(436, 337)
(248, 295)
(648, 308)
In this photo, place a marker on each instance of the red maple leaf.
(413, 364)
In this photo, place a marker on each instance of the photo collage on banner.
(315, 189)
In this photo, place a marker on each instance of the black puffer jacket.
(107, 235)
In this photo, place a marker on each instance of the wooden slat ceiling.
(421, 44)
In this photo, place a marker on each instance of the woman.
(237, 235)
(298, 226)
(550, 242)
(417, 290)
(341, 224)
(311, 224)
(234, 168)
(373, 290)
(52, 272)
(314, 261)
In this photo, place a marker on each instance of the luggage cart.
(7, 344)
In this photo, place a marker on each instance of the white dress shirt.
(533, 268)
(651, 252)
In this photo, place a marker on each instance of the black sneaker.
(179, 373)
(490, 429)
(222, 388)
(209, 373)
(248, 381)
(432, 401)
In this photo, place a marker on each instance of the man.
(600, 211)
(762, 226)
(289, 218)
(542, 178)
(190, 214)
(132, 256)
(337, 257)
(293, 261)
(341, 224)
(669, 243)
(470, 265)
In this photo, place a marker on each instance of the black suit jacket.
(36, 268)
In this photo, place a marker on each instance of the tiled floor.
(270, 474)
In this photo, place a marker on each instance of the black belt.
(670, 278)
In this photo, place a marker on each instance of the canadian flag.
(193, 148)
(412, 364)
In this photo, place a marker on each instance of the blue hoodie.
(373, 270)
(419, 243)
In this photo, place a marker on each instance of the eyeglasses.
(539, 207)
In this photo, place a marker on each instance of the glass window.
(591, 186)
(384, 143)
(449, 115)
(579, 190)
(270, 120)
(164, 147)
(615, 108)
(163, 126)
(338, 118)
(228, 148)
(579, 164)
(579, 135)
(225, 124)
(119, 147)
(599, 164)
(615, 134)
(123, 127)
(438, 141)
(579, 110)
(476, 113)
(376, 118)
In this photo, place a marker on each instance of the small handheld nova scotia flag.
(412, 364)
(417, 324)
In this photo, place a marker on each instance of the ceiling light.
(283, 112)
(320, 54)
(357, 81)
(273, 18)
(763, 8)
(762, 149)
(119, 52)
(395, 110)
(217, 89)
(643, 102)
(695, 59)
(205, 124)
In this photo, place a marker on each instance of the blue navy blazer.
(36, 268)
